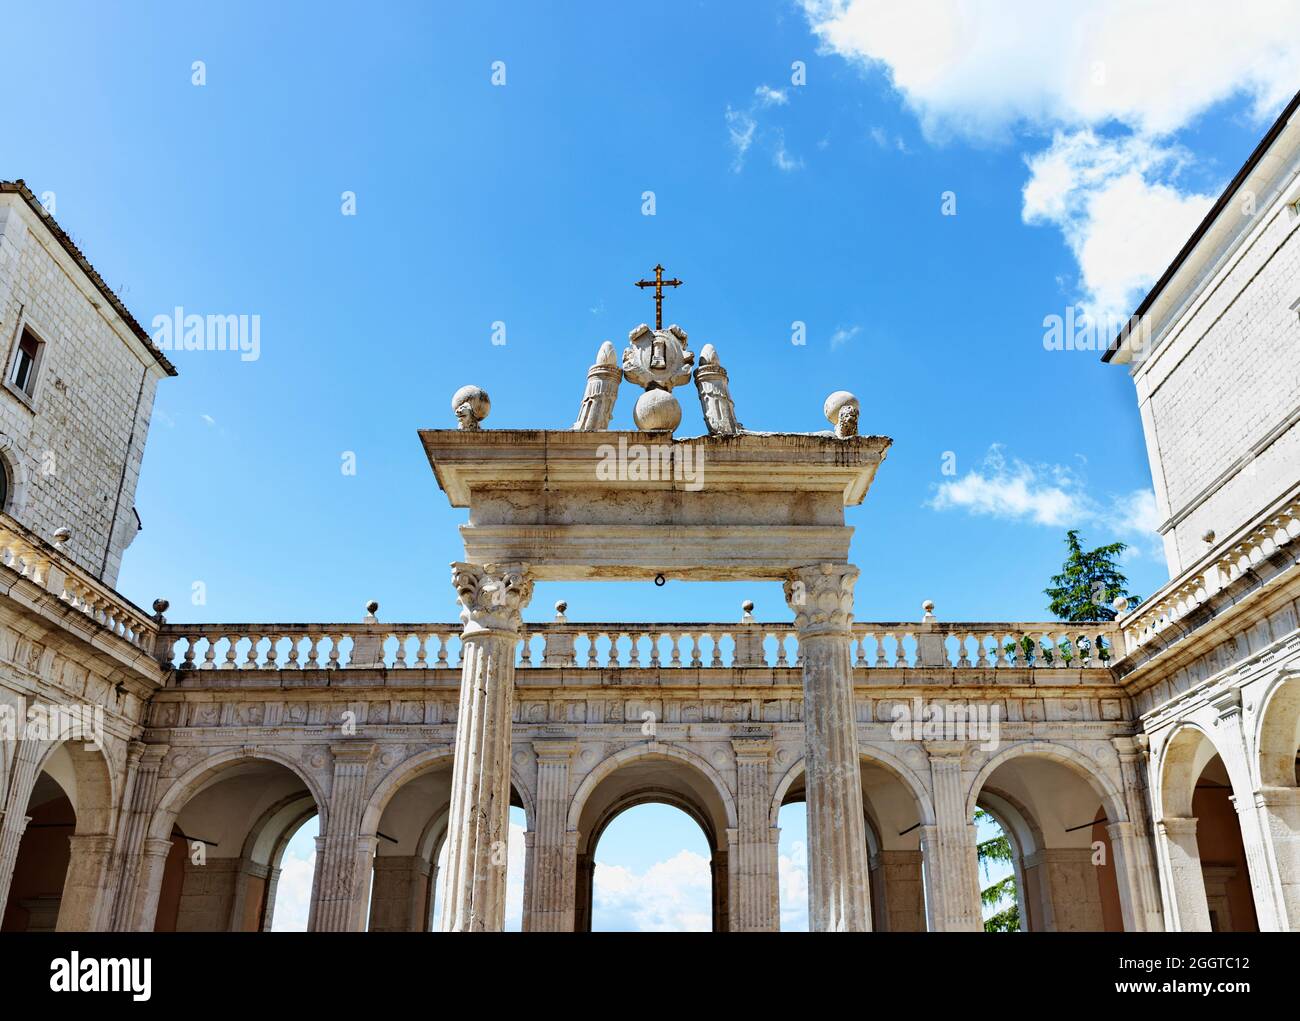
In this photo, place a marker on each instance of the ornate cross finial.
(659, 283)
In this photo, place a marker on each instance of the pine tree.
(1088, 583)
(997, 850)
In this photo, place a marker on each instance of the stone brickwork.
(72, 449)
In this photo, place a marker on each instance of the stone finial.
(372, 608)
(159, 608)
(62, 537)
(747, 612)
(1208, 537)
(927, 608)
(841, 410)
(560, 607)
(601, 393)
(715, 395)
(657, 411)
(1120, 604)
(471, 405)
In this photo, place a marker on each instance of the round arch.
(1182, 759)
(1277, 734)
(875, 757)
(86, 777)
(1066, 756)
(203, 774)
(650, 751)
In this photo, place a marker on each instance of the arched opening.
(1047, 860)
(894, 818)
(408, 884)
(1279, 795)
(59, 875)
(653, 872)
(655, 779)
(1203, 839)
(228, 846)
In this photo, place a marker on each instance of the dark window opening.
(29, 351)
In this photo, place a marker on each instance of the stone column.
(147, 761)
(1130, 841)
(949, 846)
(491, 599)
(398, 896)
(720, 870)
(896, 890)
(554, 871)
(822, 599)
(272, 884)
(14, 824)
(754, 897)
(1278, 809)
(344, 860)
(584, 875)
(142, 906)
(1187, 910)
(83, 887)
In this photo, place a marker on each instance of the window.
(26, 362)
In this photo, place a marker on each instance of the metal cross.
(659, 283)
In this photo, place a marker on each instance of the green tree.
(1088, 583)
(997, 850)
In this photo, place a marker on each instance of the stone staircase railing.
(603, 646)
(1241, 553)
(45, 565)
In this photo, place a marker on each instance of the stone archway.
(1207, 880)
(60, 872)
(216, 843)
(1060, 815)
(896, 806)
(653, 774)
(1278, 745)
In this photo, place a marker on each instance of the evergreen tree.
(1088, 583)
(997, 850)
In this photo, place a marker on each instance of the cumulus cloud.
(293, 890)
(981, 71)
(670, 896)
(1122, 222)
(1048, 494)
(792, 876)
(1111, 80)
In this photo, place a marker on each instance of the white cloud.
(980, 71)
(1112, 79)
(843, 334)
(208, 419)
(781, 156)
(293, 889)
(670, 896)
(740, 129)
(769, 96)
(1048, 494)
(792, 875)
(1122, 223)
(744, 129)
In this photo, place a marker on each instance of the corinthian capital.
(491, 595)
(821, 597)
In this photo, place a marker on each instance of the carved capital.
(491, 595)
(822, 597)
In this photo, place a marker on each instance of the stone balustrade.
(45, 565)
(1242, 554)
(599, 646)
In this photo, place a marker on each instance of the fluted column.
(345, 859)
(1187, 909)
(949, 846)
(491, 598)
(754, 896)
(14, 824)
(143, 905)
(838, 899)
(553, 871)
(1131, 843)
(84, 887)
(1279, 813)
(145, 762)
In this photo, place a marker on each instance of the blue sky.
(1077, 151)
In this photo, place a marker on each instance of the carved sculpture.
(602, 391)
(471, 405)
(715, 395)
(841, 410)
(657, 360)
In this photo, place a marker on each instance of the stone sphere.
(657, 411)
(479, 402)
(837, 400)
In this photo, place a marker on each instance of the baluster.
(963, 657)
(861, 660)
(336, 641)
(272, 652)
(421, 652)
(634, 650)
(210, 653)
(399, 656)
(781, 659)
(291, 663)
(654, 649)
(251, 662)
(230, 663)
(313, 650)
(696, 659)
(715, 660)
(591, 637)
(187, 660)
(676, 661)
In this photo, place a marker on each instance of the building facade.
(1144, 771)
